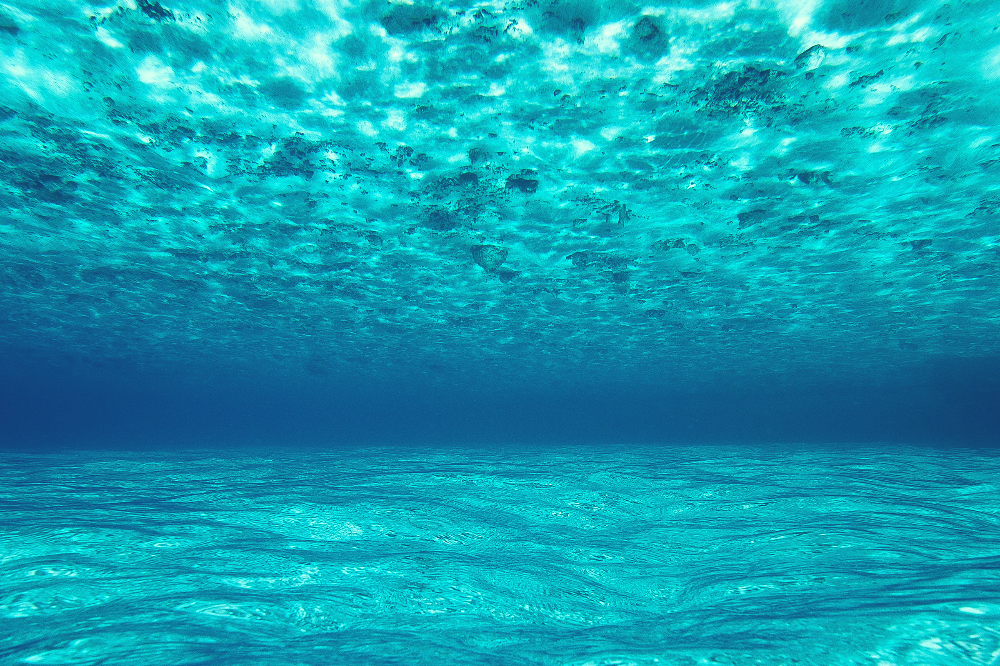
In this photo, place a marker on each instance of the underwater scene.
(522, 332)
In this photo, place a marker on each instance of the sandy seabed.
(578, 555)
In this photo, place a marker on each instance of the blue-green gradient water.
(514, 194)
(574, 555)
(511, 332)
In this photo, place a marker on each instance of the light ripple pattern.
(575, 556)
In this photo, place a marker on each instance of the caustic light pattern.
(674, 557)
(529, 185)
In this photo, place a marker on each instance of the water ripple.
(584, 557)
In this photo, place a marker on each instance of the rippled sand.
(708, 555)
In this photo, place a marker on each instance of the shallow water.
(319, 222)
(501, 192)
(580, 555)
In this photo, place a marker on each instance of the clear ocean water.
(572, 555)
(512, 332)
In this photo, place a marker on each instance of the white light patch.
(410, 90)
(716, 12)
(783, 146)
(742, 163)
(320, 56)
(210, 161)
(556, 54)
(210, 99)
(97, 134)
(105, 12)
(333, 98)
(877, 95)
(607, 40)
(610, 133)
(748, 137)
(105, 38)
(57, 82)
(332, 9)
(199, 67)
(396, 54)
(830, 40)
(920, 35)
(990, 65)
(972, 610)
(838, 81)
(153, 72)
(903, 83)
(367, 128)
(519, 29)
(675, 61)
(582, 146)
(29, 78)
(395, 120)
(798, 14)
(800, 23)
(246, 29)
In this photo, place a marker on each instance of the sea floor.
(559, 555)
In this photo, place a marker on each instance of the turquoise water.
(578, 555)
(511, 332)
(555, 192)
